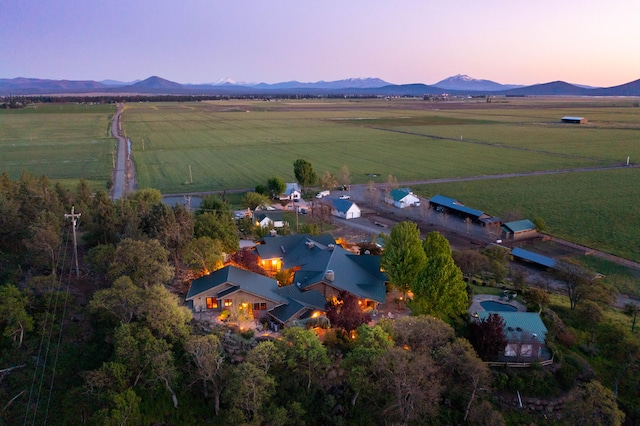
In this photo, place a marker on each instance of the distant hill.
(456, 85)
(464, 82)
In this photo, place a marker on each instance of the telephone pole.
(74, 217)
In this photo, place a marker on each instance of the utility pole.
(74, 216)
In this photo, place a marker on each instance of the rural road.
(119, 172)
(123, 172)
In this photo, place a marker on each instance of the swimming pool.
(490, 305)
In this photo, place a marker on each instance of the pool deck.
(476, 307)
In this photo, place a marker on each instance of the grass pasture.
(234, 144)
(63, 142)
(598, 209)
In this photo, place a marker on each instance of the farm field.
(63, 142)
(233, 144)
(598, 209)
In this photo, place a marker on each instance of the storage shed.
(574, 120)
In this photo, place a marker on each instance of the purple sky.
(405, 41)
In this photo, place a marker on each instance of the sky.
(590, 42)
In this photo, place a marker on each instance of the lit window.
(228, 303)
(212, 303)
(256, 306)
(263, 306)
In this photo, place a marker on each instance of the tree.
(537, 297)
(248, 391)
(439, 289)
(276, 186)
(576, 279)
(592, 404)
(465, 371)
(328, 181)
(208, 358)
(409, 383)
(487, 336)
(14, 319)
(370, 343)
(252, 200)
(471, 262)
(632, 309)
(344, 178)
(247, 259)
(591, 315)
(203, 254)
(303, 171)
(149, 360)
(218, 226)
(145, 262)
(122, 300)
(403, 258)
(303, 352)
(346, 312)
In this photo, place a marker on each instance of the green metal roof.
(520, 225)
(518, 323)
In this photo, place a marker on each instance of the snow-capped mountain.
(464, 82)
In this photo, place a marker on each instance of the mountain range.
(455, 85)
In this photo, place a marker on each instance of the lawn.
(63, 142)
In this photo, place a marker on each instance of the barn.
(574, 120)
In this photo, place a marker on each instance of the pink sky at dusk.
(413, 41)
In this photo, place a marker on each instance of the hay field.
(63, 142)
(236, 144)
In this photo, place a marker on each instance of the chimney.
(329, 275)
(310, 244)
(273, 233)
(331, 247)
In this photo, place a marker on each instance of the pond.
(490, 305)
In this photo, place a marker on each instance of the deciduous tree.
(276, 186)
(487, 336)
(346, 312)
(303, 171)
(591, 404)
(439, 289)
(403, 258)
(145, 262)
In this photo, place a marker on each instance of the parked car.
(344, 197)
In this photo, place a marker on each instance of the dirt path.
(123, 173)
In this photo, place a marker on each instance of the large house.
(402, 197)
(320, 264)
(237, 290)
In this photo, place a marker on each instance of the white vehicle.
(324, 193)
(344, 197)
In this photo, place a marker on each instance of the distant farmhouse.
(292, 192)
(574, 120)
(402, 197)
(269, 219)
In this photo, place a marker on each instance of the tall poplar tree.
(439, 289)
(403, 258)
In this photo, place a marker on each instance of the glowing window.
(212, 303)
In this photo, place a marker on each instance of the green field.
(597, 209)
(237, 145)
(63, 142)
